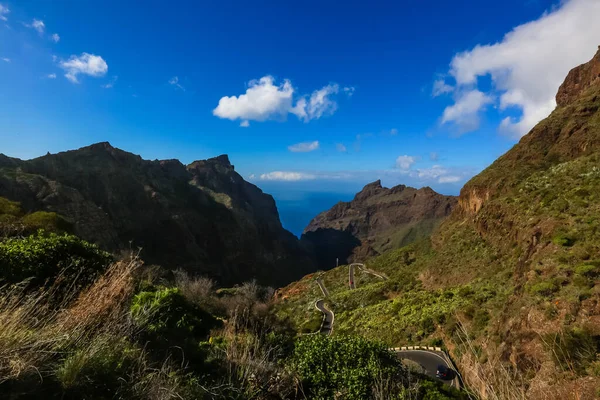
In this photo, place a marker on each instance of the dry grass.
(252, 362)
(35, 329)
(491, 380)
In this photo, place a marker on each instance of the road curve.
(429, 360)
(362, 267)
(328, 317)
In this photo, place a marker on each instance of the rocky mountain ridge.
(203, 217)
(376, 220)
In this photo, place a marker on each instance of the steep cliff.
(202, 217)
(376, 220)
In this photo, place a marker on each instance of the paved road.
(429, 360)
(323, 288)
(327, 326)
(351, 276)
(362, 267)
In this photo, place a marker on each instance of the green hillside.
(509, 283)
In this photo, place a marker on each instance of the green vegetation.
(14, 221)
(530, 253)
(357, 363)
(48, 255)
(354, 368)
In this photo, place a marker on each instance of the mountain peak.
(579, 79)
(369, 190)
(101, 146)
(222, 159)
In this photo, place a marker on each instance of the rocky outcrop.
(203, 217)
(376, 220)
(578, 80)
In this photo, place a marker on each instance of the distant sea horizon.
(297, 209)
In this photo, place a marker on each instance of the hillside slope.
(510, 282)
(203, 217)
(376, 220)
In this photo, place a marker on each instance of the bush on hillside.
(347, 365)
(8, 207)
(544, 288)
(14, 221)
(49, 221)
(45, 256)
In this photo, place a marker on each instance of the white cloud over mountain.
(526, 67)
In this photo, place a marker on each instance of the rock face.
(579, 79)
(202, 217)
(376, 220)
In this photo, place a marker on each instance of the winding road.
(429, 360)
(362, 267)
(327, 325)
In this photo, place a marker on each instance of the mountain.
(202, 217)
(509, 283)
(376, 220)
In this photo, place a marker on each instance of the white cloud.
(111, 83)
(51, 76)
(349, 90)
(440, 87)
(340, 147)
(465, 111)
(405, 162)
(264, 100)
(3, 11)
(37, 24)
(175, 82)
(245, 123)
(433, 156)
(437, 173)
(304, 147)
(449, 179)
(55, 38)
(287, 176)
(393, 131)
(5, 59)
(319, 104)
(86, 64)
(532, 60)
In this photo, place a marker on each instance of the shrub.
(170, 322)
(345, 366)
(563, 239)
(545, 288)
(587, 270)
(49, 221)
(44, 256)
(10, 207)
(165, 311)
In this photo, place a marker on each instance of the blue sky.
(311, 100)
